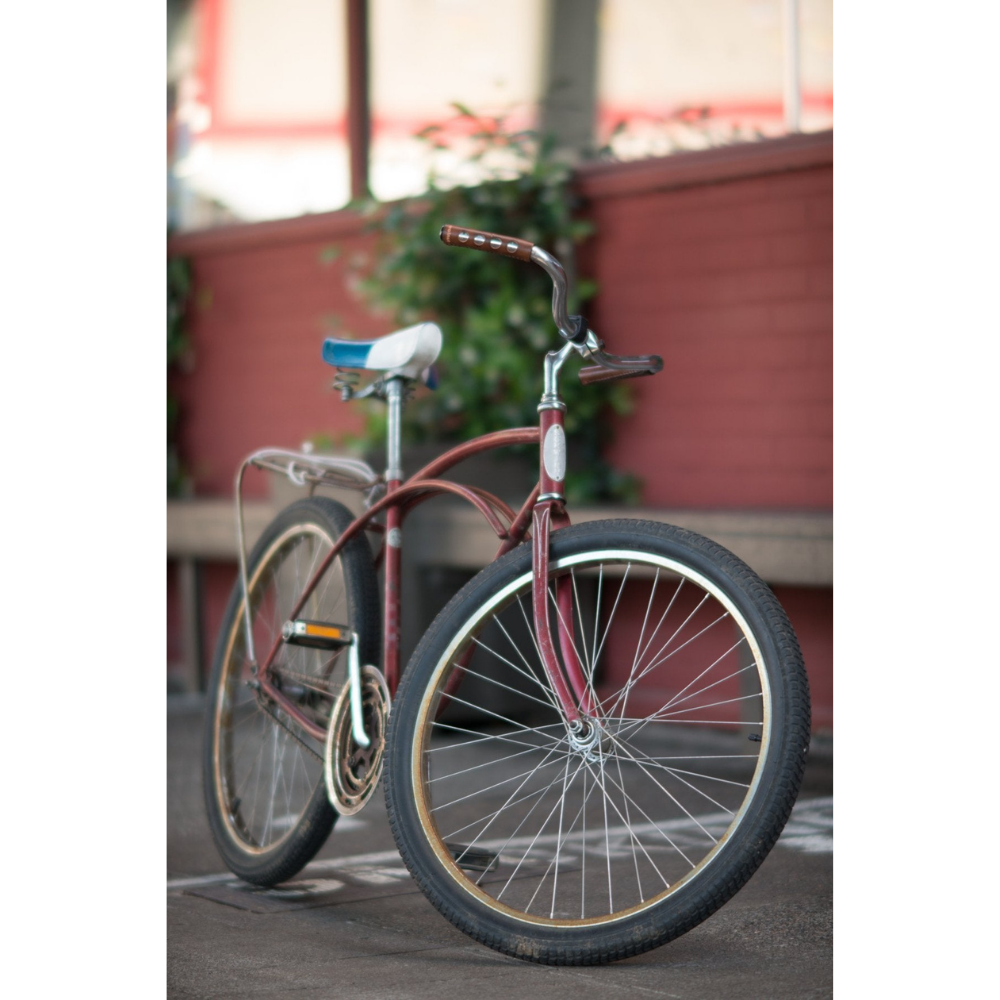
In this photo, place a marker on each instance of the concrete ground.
(354, 924)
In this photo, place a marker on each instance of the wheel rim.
(266, 768)
(551, 829)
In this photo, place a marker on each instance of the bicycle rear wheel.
(572, 848)
(264, 788)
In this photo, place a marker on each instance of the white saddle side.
(407, 352)
(410, 350)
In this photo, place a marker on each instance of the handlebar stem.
(554, 360)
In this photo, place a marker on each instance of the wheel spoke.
(701, 708)
(637, 659)
(487, 711)
(489, 788)
(528, 849)
(623, 694)
(528, 672)
(614, 608)
(567, 627)
(510, 801)
(694, 694)
(484, 739)
(632, 837)
(674, 799)
(561, 839)
(477, 767)
(657, 828)
(492, 680)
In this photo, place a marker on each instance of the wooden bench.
(784, 548)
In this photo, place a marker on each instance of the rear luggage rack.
(302, 468)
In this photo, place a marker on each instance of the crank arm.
(354, 679)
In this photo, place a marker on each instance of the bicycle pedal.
(474, 860)
(316, 635)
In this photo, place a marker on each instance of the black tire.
(263, 774)
(523, 876)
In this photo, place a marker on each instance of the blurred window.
(428, 54)
(259, 115)
(257, 90)
(686, 74)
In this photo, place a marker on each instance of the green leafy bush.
(496, 315)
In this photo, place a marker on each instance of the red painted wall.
(720, 261)
(732, 284)
(261, 310)
(810, 610)
(731, 281)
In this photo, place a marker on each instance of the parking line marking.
(809, 829)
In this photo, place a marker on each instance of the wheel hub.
(351, 771)
(590, 740)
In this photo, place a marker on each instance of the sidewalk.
(354, 924)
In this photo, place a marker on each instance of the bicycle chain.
(310, 681)
(295, 736)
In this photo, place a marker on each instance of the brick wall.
(265, 299)
(731, 282)
(720, 261)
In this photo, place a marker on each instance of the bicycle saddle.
(406, 352)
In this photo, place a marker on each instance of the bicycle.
(594, 745)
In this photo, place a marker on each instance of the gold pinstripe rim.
(471, 627)
(220, 781)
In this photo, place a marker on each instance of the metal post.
(393, 447)
(569, 100)
(793, 81)
(191, 631)
(392, 563)
(358, 121)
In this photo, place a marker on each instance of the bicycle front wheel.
(264, 788)
(576, 848)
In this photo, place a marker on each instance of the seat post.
(394, 392)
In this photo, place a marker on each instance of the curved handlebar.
(477, 239)
(607, 367)
(572, 328)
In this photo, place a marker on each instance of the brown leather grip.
(598, 373)
(476, 239)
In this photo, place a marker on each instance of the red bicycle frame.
(541, 515)
(544, 508)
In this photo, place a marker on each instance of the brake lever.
(611, 367)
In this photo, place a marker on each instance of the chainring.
(351, 771)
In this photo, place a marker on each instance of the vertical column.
(358, 118)
(570, 97)
(191, 632)
(793, 81)
(393, 535)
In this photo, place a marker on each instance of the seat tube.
(393, 535)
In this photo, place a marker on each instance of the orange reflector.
(324, 631)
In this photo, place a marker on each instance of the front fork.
(574, 694)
